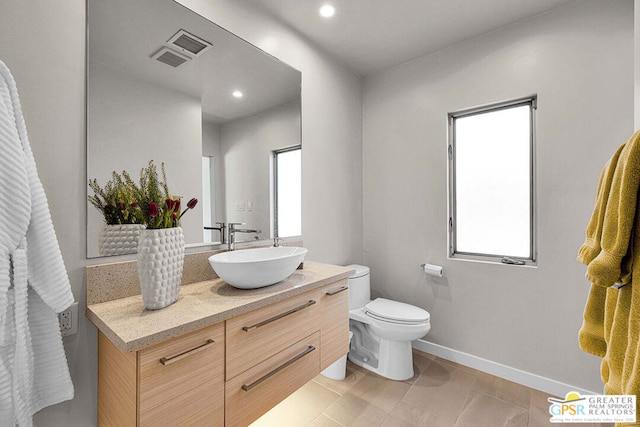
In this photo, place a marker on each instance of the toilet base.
(394, 360)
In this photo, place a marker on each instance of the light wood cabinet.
(229, 373)
(178, 383)
(263, 386)
(261, 333)
(334, 322)
(263, 367)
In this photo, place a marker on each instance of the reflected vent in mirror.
(188, 43)
(170, 57)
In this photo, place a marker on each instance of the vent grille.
(189, 44)
(170, 57)
(192, 45)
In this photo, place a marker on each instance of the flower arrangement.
(117, 200)
(159, 208)
(121, 201)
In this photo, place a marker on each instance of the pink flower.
(121, 205)
(170, 204)
(192, 203)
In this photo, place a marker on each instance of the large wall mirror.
(166, 84)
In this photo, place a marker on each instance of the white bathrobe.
(34, 285)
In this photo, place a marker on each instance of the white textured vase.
(160, 262)
(119, 239)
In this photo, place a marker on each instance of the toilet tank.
(359, 287)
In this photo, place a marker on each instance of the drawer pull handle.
(169, 360)
(337, 291)
(279, 316)
(246, 387)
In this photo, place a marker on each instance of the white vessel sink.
(256, 268)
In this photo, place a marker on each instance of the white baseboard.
(546, 385)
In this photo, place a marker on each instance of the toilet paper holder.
(432, 270)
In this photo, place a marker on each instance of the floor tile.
(441, 394)
(299, 409)
(420, 362)
(368, 402)
(406, 415)
(350, 410)
(379, 391)
(442, 390)
(324, 421)
(513, 392)
(484, 410)
(353, 375)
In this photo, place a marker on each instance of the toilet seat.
(396, 312)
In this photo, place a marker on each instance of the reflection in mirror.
(164, 83)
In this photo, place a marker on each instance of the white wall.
(43, 44)
(134, 121)
(247, 147)
(579, 60)
(331, 130)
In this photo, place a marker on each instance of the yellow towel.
(591, 335)
(611, 325)
(591, 247)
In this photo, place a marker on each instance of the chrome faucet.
(232, 234)
(221, 228)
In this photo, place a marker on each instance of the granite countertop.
(130, 327)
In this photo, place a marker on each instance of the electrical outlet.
(69, 320)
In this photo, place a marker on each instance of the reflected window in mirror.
(287, 200)
(209, 199)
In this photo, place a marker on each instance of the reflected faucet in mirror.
(221, 227)
(232, 233)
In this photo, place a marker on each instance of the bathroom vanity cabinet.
(250, 350)
(176, 382)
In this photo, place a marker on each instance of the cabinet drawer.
(255, 391)
(259, 334)
(334, 306)
(181, 382)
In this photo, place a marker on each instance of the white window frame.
(453, 253)
(275, 211)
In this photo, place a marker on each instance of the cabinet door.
(255, 391)
(259, 334)
(181, 381)
(334, 335)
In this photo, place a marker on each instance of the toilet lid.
(397, 312)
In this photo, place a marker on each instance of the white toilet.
(382, 329)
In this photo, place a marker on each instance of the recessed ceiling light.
(237, 94)
(327, 11)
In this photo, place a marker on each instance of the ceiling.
(372, 35)
(123, 34)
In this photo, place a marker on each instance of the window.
(287, 195)
(208, 198)
(491, 182)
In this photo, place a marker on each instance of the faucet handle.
(232, 224)
(221, 224)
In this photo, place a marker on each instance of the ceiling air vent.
(170, 57)
(189, 44)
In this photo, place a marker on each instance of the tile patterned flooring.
(441, 394)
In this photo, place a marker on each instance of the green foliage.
(149, 202)
(117, 200)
